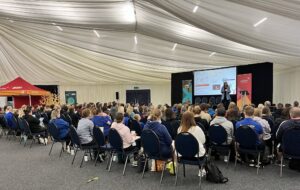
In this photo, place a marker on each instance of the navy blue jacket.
(164, 137)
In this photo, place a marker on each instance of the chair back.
(21, 123)
(246, 136)
(98, 136)
(26, 127)
(14, 123)
(115, 139)
(135, 126)
(217, 134)
(200, 124)
(150, 143)
(74, 136)
(291, 142)
(186, 145)
(54, 131)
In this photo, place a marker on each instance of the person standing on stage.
(225, 94)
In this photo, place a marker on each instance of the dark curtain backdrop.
(262, 82)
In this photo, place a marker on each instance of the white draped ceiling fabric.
(142, 41)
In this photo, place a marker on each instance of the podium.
(244, 94)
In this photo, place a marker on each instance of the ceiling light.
(11, 21)
(128, 12)
(174, 46)
(195, 9)
(135, 39)
(259, 22)
(97, 34)
(59, 28)
(213, 53)
(53, 24)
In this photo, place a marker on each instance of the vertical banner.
(71, 97)
(187, 91)
(244, 90)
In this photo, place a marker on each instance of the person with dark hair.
(65, 115)
(34, 125)
(74, 117)
(294, 122)
(101, 119)
(278, 111)
(171, 123)
(296, 104)
(266, 114)
(203, 113)
(220, 119)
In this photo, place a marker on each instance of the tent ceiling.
(137, 38)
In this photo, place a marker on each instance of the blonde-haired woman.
(161, 131)
(188, 125)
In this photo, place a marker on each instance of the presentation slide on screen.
(210, 82)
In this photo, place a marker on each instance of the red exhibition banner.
(244, 90)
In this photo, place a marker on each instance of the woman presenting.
(225, 94)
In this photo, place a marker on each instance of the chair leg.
(235, 161)
(174, 169)
(200, 177)
(82, 159)
(62, 148)
(51, 148)
(162, 173)
(96, 158)
(176, 174)
(125, 164)
(74, 156)
(281, 165)
(111, 159)
(108, 160)
(90, 154)
(33, 140)
(258, 163)
(228, 158)
(25, 142)
(21, 138)
(146, 161)
(183, 167)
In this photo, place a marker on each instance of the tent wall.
(160, 93)
(21, 100)
(286, 86)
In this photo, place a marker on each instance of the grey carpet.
(32, 169)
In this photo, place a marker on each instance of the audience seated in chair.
(9, 116)
(188, 125)
(294, 122)
(101, 119)
(34, 124)
(62, 126)
(204, 114)
(249, 113)
(171, 123)
(123, 131)
(85, 128)
(161, 131)
(221, 120)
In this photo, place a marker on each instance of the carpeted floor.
(32, 169)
